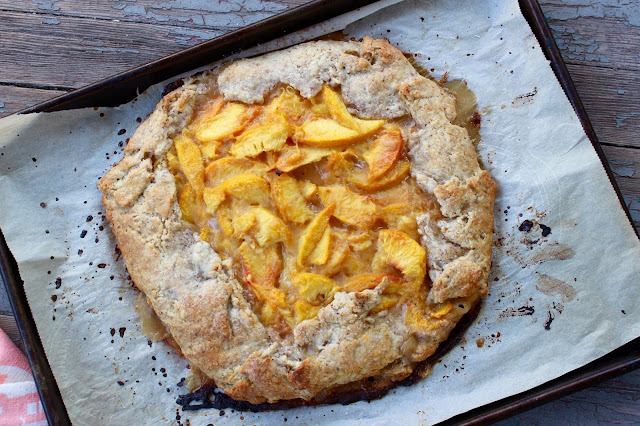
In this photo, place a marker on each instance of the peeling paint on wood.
(622, 168)
(599, 32)
(50, 21)
(608, 109)
(575, 47)
(633, 204)
(15, 99)
(46, 4)
(191, 13)
(192, 36)
(621, 118)
(627, 11)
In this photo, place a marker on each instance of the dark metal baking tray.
(124, 87)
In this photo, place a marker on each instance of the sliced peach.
(320, 110)
(261, 266)
(206, 233)
(397, 249)
(274, 311)
(293, 157)
(351, 208)
(289, 201)
(328, 133)
(266, 137)
(339, 113)
(270, 229)
(393, 177)
(313, 234)
(213, 197)
(231, 119)
(225, 221)
(320, 255)
(304, 310)
(360, 242)
(210, 110)
(384, 153)
(191, 162)
(210, 150)
(386, 302)
(228, 167)
(288, 104)
(248, 187)
(439, 310)
(308, 189)
(339, 253)
(337, 108)
(173, 163)
(244, 224)
(416, 316)
(363, 282)
(314, 288)
(187, 203)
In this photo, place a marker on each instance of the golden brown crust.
(195, 293)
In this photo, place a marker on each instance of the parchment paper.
(558, 300)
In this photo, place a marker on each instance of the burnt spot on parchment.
(484, 341)
(554, 287)
(532, 237)
(529, 242)
(551, 314)
(546, 230)
(525, 226)
(557, 251)
(525, 98)
(517, 312)
(549, 320)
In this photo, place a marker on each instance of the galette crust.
(195, 293)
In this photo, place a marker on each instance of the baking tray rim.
(619, 361)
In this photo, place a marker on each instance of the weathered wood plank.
(9, 326)
(600, 32)
(14, 99)
(625, 164)
(605, 33)
(226, 15)
(5, 306)
(80, 51)
(612, 100)
(614, 401)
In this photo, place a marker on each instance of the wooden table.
(49, 47)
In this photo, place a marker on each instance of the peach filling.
(307, 199)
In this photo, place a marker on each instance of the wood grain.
(603, 33)
(14, 98)
(612, 100)
(625, 164)
(80, 50)
(223, 15)
(8, 325)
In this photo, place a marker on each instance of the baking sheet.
(554, 307)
